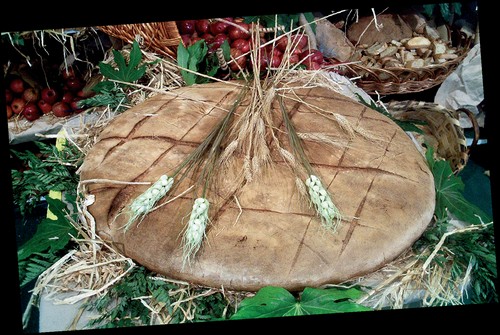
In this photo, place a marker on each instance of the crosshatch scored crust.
(264, 234)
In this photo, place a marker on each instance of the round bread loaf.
(262, 231)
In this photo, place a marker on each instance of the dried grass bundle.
(417, 278)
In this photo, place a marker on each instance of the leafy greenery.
(108, 93)
(43, 172)
(444, 10)
(15, 38)
(122, 305)
(475, 247)
(449, 193)
(30, 269)
(197, 59)
(272, 301)
(46, 170)
(51, 235)
(130, 72)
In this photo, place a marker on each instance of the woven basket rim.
(399, 80)
(446, 128)
(161, 37)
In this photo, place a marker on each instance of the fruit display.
(29, 99)
(238, 35)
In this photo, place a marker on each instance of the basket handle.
(475, 126)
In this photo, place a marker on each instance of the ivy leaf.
(51, 235)
(125, 72)
(272, 301)
(449, 193)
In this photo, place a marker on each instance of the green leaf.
(449, 193)
(191, 58)
(444, 9)
(130, 72)
(429, 9)
(310, 18)
(108, 94)
(51, 235)
(271, 301)
(30, 269)
(457, 8)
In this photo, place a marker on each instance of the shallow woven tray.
(442, 128)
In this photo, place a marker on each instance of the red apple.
(67, 97)
(241, 30)
(9, 112)
(217, 41)
(282, 42)
(311, 65)
(31, 111)
(274, 60)
(313, 55)
(74, 105)
(17, 85)
(293, 59)
(239, 62)
(209, 38)
(242, 44)
(44, 106)
(68, 73)
(31, 94)
(61, 109)
(186, 26)
(299, 41)
(218, 27)
(202, 26)
(8, 96)
(74, 84)
(186, 39)
(17, 105)
(50, 95)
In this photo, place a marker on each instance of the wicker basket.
(160, 37)
(442, 129)
(399, 80)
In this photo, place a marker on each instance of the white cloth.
(463, 88)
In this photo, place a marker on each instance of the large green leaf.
(272, 301)
(125, 72)
(449, 193)
(51, 235)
